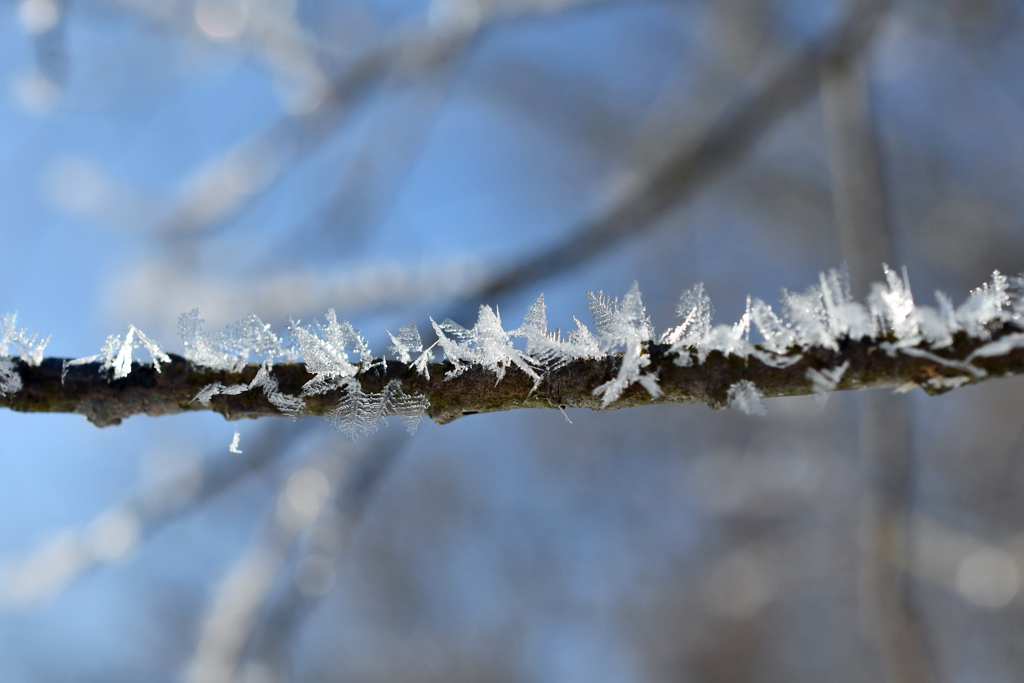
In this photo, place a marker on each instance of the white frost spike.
(116, 354)
(233, 448)
(893, 305)
(744, 395)
(409, 342)
(10, 380)
(326, 352)
(228, 350)
(623, 324)
(583, 339)
(990, 303)
(825, 381)
(27, 344)
(696, 311)
(359, 413)
(845, 317)
(617, 323)
(487, 344)
(216, 389)
(821, 316)
(549, 349)
(779, 337)
(729, 340)
(286, 403)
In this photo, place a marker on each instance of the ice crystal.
(116, 354)
(779, 336)
(998, 301)
(892, 304)
(406, 344)
(486, 344)
(696, 311)
(625, 325)
(728, 339)
(10, 380)
(1000, 347)
(744, 395)
(216, 389)
(938, 325)
(286, 403)
(233, 448)
(326, 349)
(359, 414)
(549, 349)
(228, 350)
(820, 317)
(825, 381)
(26, 344)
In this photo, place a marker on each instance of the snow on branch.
(819, 341)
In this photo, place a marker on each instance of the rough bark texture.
(86, 391)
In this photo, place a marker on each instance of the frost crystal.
(216, 389)
(822, 315)
(228, 350)
(27, 345)
(728, 339)
(10, 380)
(825, 381)
(359, 414)
(487, 345)
(286, 403)
(326, 352)
(991, 303)
(409, 342)
(549, 349)
(696, 311)
(892, 305)
(116, 354)
(744, 395)
(623, 325)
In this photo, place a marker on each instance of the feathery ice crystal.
(821, 317)
(28, 345)
(116, 354)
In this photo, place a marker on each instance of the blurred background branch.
(890, 618)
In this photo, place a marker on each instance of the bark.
(873, 364)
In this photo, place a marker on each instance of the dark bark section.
(88, 392)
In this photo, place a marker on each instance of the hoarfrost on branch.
(116, 354)
(28, 345)
(487, 344)
(744, 395)
(821, 318)
(624, 325)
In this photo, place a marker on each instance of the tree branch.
(872, 364)
(693, 165)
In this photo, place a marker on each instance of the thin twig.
(694, 165)
(238, 599)
(269, 647)
(44, 572)
(888, 618)
(872, 364)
